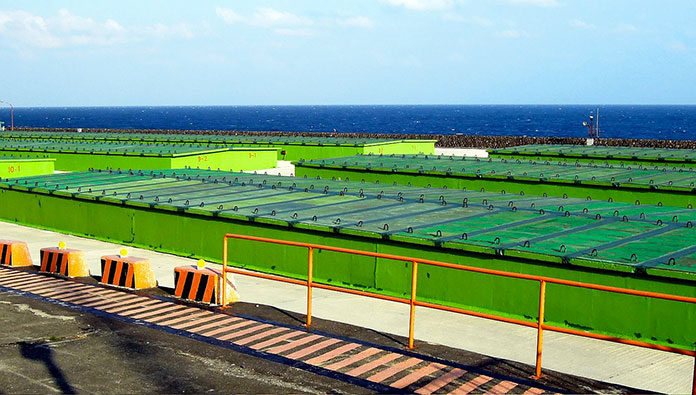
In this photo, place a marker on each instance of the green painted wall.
(225, 160)
(234, 160)
(622, 194)
(11, 168)
(190, 233)
(297, 152)
(314, 151)
(426, 147)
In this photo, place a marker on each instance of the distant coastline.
(538, 121)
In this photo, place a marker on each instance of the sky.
(282, 52)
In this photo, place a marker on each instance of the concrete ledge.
(65, 262)
(14, 253)
(127, 272)
(202, 285)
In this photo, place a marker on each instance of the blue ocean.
(615, 121)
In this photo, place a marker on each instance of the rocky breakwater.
(443, 141)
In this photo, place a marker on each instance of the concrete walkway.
(286, 168)
(614, 363)
(469, 152)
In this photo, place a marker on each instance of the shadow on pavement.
(44, 354)
(150, 360)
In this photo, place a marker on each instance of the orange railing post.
(693, 381)
(310, 270)
(540, 328)
(412, 317)
(224, 271)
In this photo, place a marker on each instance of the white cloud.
(453, 16)
(281, 22)
(503, 28)
(620, 28)
(511, 33)
(264, 17)
(536, 3)
(69, 23)
(228, 16)
(625, 28)
(358, 21)
(677, 46)
(66, 29)
(287, 23)
(472, 20)
(481, 21)
(111, 24)
(31, 29)
(269, 17)
(163, 31)
(421, 5)
(580, 24)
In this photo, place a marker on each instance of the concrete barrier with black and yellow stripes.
(203, 285)
(128, 272)
(14, 253)
(63, 261)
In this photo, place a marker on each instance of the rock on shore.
(443, 141)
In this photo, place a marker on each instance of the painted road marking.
(260, 336)
(223, 329)
(195, 323)
(417, 375)
(304, 351)
(502, 388)
(354, 359)
(534, 391)
(276, 340)
(338, 351)
(243, 332)
(471, 385)
(186, 317)
(441, 381)
(382, 361)
(393, 370)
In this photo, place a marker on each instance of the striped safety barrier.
(203, 285)
(65, 262)
(14, 253)
(128, 272)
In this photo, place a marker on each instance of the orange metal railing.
(413, 302)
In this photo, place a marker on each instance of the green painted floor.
(600, 152)
(665, 177)
(194, 138)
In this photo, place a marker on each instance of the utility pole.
(592, 126)
(11, 113)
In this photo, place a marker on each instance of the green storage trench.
(289, 147)
(80, 156)
(187, 212)
(602, 154)
(620, 183)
